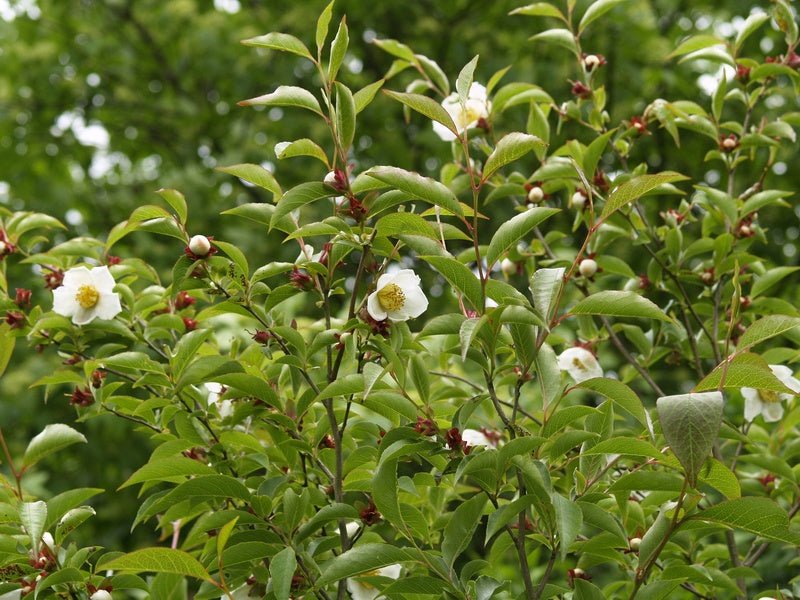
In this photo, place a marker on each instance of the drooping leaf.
(569, 520)
(459, 276)
(596, 10)
(425, 106)
(760, 516)
(766, 328)
(744, 370)
(417, 186)
(255, 174)
(460, 528)
(361, 559)
(281, 569)
(691, 423)
(286, 95)
(53, 438)
(618, 393)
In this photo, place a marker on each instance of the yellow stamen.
(374, 573)
(576, 362)
(87, 296)
(768, 396)
(391, 297)
(467, 116)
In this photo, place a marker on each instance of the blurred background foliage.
(104, 101)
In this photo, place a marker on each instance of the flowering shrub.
(461, 388)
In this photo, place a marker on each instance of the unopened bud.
(101, 595)
(199, 245)
(535, 195)
(588, 267)
(577, 201)
(635, 543)
(590, 62)
(330, 179)
(508, 267)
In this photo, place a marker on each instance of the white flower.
(100, 595)
(398, 296)
(364, 591)
(474, 437)
(215, 392)
(768, 402)
(199, 245)
(330, 179)
(87, 294)
(580, 364)
(577, 200)
(464, 116)
(307, 254)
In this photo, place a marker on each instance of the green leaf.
(402, 223)
(459, 276)
(511, 147)
(619, 304)
(538, 9)
(286, 95)
(345, 116)
(361, 559)
(558, 37)
(33, 516)
(766, 328)
(397, 49)
(236, 255)
(7, 343)
(721, 478)
(53, 438)
(157, 560)
(416, 185)
(691, 423)
(569, 520)
(695, 43)
(545, 285)
(365, 95)
(460, 528)
(597, 10)
(635, 188)
(511, 231)
(299, 196)
(620, 394)
(760, 516)
(751, 24)
(255, 174)
(280, 41)
(384, 491)
(464, 80)
(586, 590)
(763, 282)
(331, 512)
(323, 22)
(744, 370)
(338, 49)
(177, 201)
(625, 445)
(343, 386)
(62, 576)
(302, 147)
(425, 106)
(173, 468)
(281, 570)
(505, 514)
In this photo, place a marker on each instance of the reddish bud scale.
(98, 376)
(113, 260)
(81, 397)
(425, 427)
(369, 514)
(189, 324)
(184, 300)
(301, 280)
(53, 279)
(15, 319)
(22, 297)
(261, 336)
(580, 90)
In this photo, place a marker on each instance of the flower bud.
(509, 267)
(199, 245)
(590, 62)
(101, 595)
(581, 91)
(189, 324)
(536, 195)
(635, 543)
(578, 200)
(22, 297)
(15, 319)
(588, 267)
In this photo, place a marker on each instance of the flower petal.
(102, 279)
(78, 276)
(580, 364)
(374, 307)
(359, 591)
(772, 411)
(82, 316)
(415, 303)
(108, 306)
(64, 302)
(384, 280)
(473, 437)
(406, 278)
(392, 571)
(477, 91)
(752, 403)
(443, 132)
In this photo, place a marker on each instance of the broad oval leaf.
(363, 558)
(157, 560)
(510, 232)
(511, 147)
(619, 304)
(425, 106)
(597, 10)
(286, 95)
(416, 185)
(760, 516)
(635, 188)
(280, 41)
